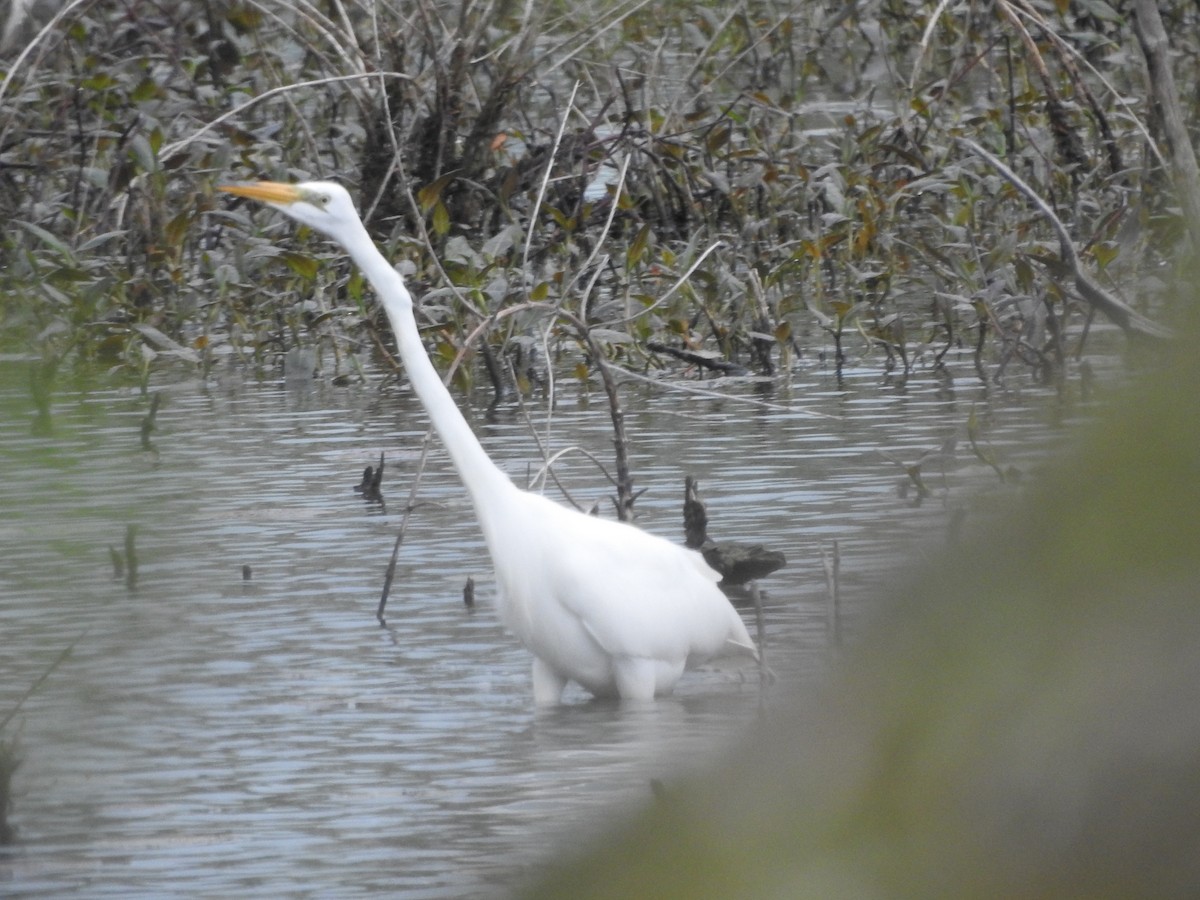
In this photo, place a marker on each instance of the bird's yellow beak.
(266, 191)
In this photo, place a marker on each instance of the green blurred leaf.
(637, 247)
(145, 90)
(144, 153)
(432, 192)
(304, 266)
(50, 240)
(441, 219)
(100, 81)
(1105, 252)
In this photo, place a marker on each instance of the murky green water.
(212, 736)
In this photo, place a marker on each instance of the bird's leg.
(547, 684)
(636, 677)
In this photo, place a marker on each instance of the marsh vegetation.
(677, 189)
(753, 183)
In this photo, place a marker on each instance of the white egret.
(604, 604)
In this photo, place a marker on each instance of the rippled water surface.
(211, 735)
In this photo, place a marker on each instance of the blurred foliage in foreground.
(1024, 721)
(582, 157)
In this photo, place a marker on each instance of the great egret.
(602, 603)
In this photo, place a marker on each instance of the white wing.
(633, 593)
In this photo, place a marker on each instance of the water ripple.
(218, 736)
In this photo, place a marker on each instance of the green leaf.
(717, 138)
(50, 240)
(144, 153)
(637, 247)
(101, 81)
(1105, 252)
(441, 219)
(432, 192)
(561, 219)
(101, 239)
(146, 89)
(177, 229)
(304, 266)
(356, 287)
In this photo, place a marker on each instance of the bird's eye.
(323, 199)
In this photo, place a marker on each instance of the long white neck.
(483, 479)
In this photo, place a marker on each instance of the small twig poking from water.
(495, 373)
(41, 388)
(695, 516)
(10, 758)
(10, 761)
(131, 561)
(625, 492)
(365, 484)
(765, 675)
(408, 508)
(832, 564)
(247, 573)
(59, 660)
(148, 421)
(1087, 381)
(979, 346)
(762, 339)
(391, 568)
(983, 454)
(469, 593)
(377, 481)
(371, 486)
(118, 561)
(954, 528)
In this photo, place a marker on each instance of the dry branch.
(1156, 48)
(697, 359)
(1129, 319)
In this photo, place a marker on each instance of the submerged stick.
(765, 675)
(149, 421)
(691, 357)
(832, 564)
(38, 682)
(409, 506)
(131, 561)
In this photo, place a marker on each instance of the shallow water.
(211, 735)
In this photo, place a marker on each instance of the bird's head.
(322, 205)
